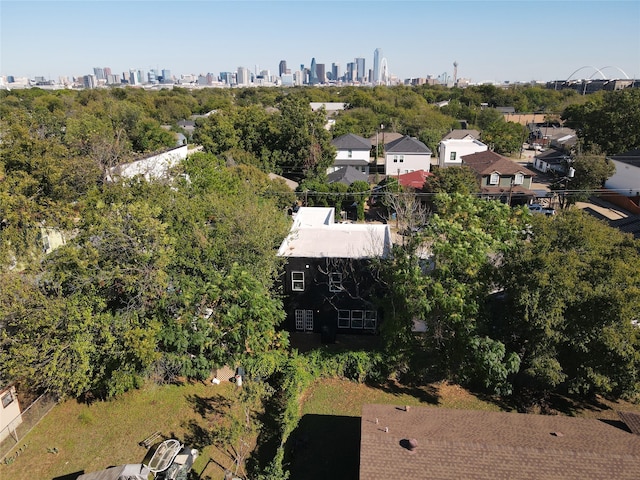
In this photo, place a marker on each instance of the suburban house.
(10, 413)
(500, 178)
(351, 151)
(406, 154)
(347, 175)
(434, 442)
(626, 179)
(152, 167)
(552, 160)
(329, 283)
(456, 144)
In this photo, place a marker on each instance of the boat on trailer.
(171, 460)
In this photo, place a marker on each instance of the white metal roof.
(314, 234)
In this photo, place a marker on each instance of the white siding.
(626, 179)
(399, 163)
(461, 147)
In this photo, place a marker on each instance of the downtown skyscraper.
(377, 59)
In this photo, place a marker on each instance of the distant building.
(99, 73)
(242, 76)
(360, 68)
(313, 73)
(166, 76)
(322, 78)
(377, 58)
(335, 71)
(282, 68)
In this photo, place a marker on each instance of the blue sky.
(516, 40)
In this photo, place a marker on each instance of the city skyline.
(491, 41)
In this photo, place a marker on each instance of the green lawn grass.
(94, 437)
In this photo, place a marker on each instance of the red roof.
(414, 179)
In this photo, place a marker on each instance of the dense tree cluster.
(511, 302)
(176, 276)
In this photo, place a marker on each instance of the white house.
(457, 144)
(151, 168)
(10, 415)
(406, 154)
(626, 179)
(351, 151)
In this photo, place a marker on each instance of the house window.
(45, 243)
(495, 178)
(304, 320)
(519, 179)
(370, 319)
(401, 158)
(297, 281)
(395, 159)
(452, 157)
(357, 318)
(335, 282)
(350, 154)
(7, 399)
(344, 318)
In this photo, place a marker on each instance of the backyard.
(75, 438)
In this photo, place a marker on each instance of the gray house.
(351, 151)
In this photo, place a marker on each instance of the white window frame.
(494, 179)
(357, 319)
(401, 158)
(344, 318)
(297, 281)
(452, 157)
(349, 153)
(518, 179)
(335, 282)
(395, 159)
(370, 319)
(7, 399)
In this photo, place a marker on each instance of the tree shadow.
(204, 406)
(269, 437)
(425, 393)
(324, 446)
(617, 424)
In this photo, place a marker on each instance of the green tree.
(504, 137)
(571, 293)
(610, 121)
(461, 242)
(452, 180)
(590, 173)
(360, 191)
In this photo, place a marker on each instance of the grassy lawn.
(324, 445)
(93, 437)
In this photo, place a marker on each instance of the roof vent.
(410, 444)
(557, 434)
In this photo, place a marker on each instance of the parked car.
(537, 208)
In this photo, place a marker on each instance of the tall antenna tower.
(455, 71)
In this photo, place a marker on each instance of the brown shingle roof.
(485, 163)
(464, 444)
(631, 420)
(460, 133)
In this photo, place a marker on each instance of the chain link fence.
(17, 430)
